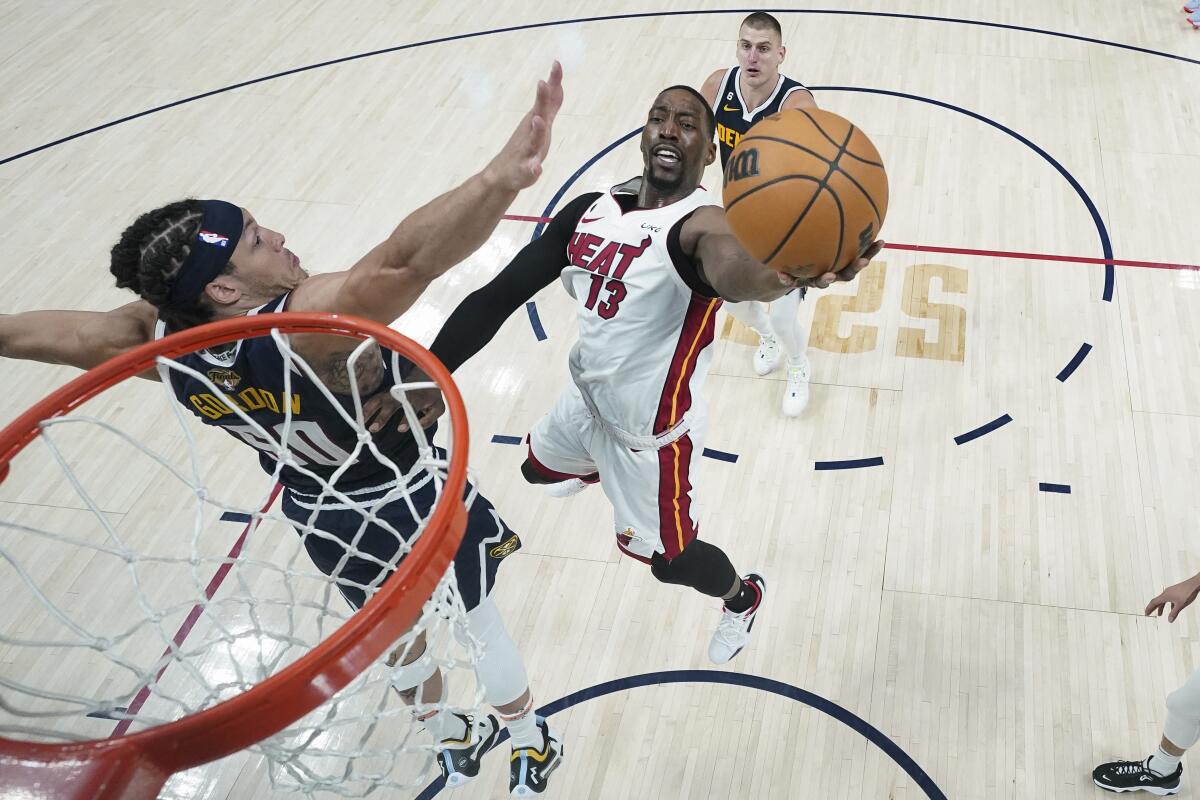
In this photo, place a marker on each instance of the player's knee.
(1185, 701)
(662, 570)
(499, 667)
(531, 475)
(700, 565)
(411, 667)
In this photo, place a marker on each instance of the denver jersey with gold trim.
(249, 378)
(732, 116)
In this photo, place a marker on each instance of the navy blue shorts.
(486, 542)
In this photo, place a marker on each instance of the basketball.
(805, 188)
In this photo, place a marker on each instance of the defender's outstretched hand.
(519, 164)
(1179, 597)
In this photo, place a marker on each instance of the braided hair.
(149, 255)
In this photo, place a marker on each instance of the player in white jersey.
(740, 96)
(648, 264)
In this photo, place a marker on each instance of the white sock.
(444, 725)
(1163, 762)
(797, 361)
(522, 727)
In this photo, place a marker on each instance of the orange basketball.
(805, 188)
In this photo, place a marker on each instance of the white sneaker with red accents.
(733, 631)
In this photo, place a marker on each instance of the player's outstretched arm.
(736, 275)
(440, 234)
(81, 339)
(481, 313)
(479, 316)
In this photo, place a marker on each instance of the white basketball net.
(125, 606)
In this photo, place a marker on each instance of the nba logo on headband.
(208, 237)
(221, 229)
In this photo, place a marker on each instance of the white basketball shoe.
(766, 357)
(795, 393)
(567, 488)
(733, 631)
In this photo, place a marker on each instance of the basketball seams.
(821, 130)
(772, 182)
(822, 186)
(862, 160)
(826, 162)
(837, 256)
(789, 143)
(857, 185)
(828, 138)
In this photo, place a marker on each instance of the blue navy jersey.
(733, 118)
(250, 374)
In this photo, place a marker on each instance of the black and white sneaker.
(459, 759)
(529, 769)
(1136, 776)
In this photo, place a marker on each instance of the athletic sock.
(1163, 762)
(443, 725)
(522, 727)
(746, 598)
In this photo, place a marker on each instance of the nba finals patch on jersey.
(227, 379)
(506, 548)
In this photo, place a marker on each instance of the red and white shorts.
(652, 492)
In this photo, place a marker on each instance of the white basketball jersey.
(644, 336)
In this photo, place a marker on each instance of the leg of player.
(705, 568)
(785, 321)
(558, 459)
(556, 486)
(422, 685)
(1160, 773)
(754, 316)
(536, 749)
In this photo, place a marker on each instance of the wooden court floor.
(928, 572)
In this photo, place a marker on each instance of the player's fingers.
(873, 250)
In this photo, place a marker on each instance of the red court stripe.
(967, 251)
(190, 622)
(970, 251)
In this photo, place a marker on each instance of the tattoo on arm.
(334, 371)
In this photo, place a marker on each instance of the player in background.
(740, 96)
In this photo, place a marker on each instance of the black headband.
(220, 230)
